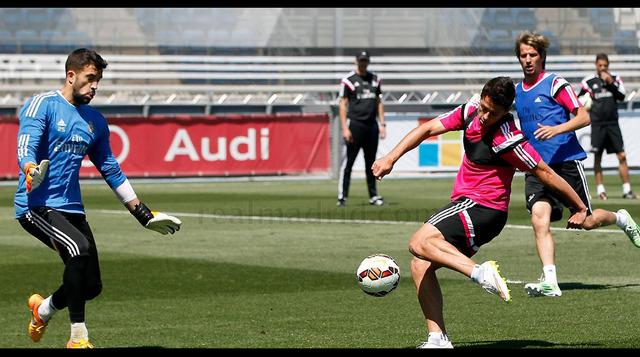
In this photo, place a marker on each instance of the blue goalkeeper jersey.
(537, 105)
(52, 128)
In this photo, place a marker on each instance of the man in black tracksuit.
(605, 90)
(360, 101)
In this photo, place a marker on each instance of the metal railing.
(287, 80)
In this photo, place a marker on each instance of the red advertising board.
(204, 145)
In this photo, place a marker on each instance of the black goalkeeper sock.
(74, 286)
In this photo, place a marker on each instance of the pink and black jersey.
(492, 155)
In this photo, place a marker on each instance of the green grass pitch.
(254, 283)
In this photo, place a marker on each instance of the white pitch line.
(334, 220)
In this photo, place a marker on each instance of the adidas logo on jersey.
(538, 100)
(62, 126)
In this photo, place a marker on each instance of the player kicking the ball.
(494, 149)
(57, 129)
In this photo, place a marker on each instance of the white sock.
(626, 187)
(476, 274)
(46, 309)
(600, 189)
(550, 273)
(621, 220)
(79, 331)
(437, 337)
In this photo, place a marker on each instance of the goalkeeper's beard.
(80, 98)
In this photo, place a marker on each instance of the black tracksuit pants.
(365, 136)
(70, 235)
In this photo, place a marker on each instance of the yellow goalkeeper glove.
(35, 174)
(156, 221)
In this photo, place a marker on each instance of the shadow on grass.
(141, 277)
(518, 344)
(581, 286)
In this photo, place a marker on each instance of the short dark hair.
(82, 57)
(535, 40)
(501, 90)
(602, 56)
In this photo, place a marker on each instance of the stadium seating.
(420, 79)
(485, 31)
(436, 56)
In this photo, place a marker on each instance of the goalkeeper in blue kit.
(57, 130)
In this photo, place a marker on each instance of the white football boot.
(542, 288)
(493, 282)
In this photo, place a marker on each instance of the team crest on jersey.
(62, 126)
(90, 127)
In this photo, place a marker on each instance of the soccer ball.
(378, 275)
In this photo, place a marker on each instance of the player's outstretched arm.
(153, 220)
(384, 165)
(551, 179)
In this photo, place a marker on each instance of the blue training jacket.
(54, 129)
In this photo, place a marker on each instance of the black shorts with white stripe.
(570, 171)
(468, 225)
(68, 233)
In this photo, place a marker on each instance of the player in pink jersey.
(494, 149)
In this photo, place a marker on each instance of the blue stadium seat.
(64, 19)
(53, 40)
(603, 22)
(7, 41)
(52, 36)
(54, 12)
(12, 19)
(499, 35)
(38, 19)
(6, 36)
(503, 19)
(29, 41)
(27, 36)
(524, 19)
(77, 39)
(625, 41)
